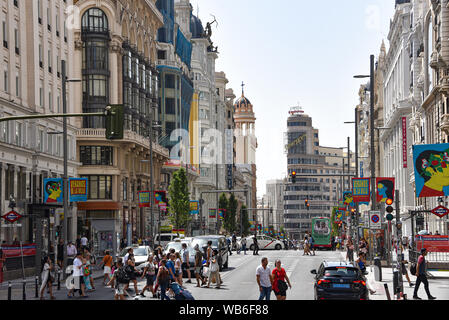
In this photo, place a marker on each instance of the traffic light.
(294, 177)
(114, 122)
(353, 211)
(307, 204)
(389, 209)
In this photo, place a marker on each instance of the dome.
(196, 27)
(242, 102)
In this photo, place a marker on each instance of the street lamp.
(65, 148)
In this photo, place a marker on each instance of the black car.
(218, 243)
(339, 281)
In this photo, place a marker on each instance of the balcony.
(129, 136)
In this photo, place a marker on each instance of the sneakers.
(188, 281)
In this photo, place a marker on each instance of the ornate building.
(115, 56)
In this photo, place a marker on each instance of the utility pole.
(357, 213)
(373, 155)
(399, 240)
(65, 150)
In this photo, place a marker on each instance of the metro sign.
(440, 211)
(12, 216)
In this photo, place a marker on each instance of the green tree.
(334, 232)
(179, 203)
(245, 220)
(231, 212)
(223, 204)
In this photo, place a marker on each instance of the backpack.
(413, 268)
(122, 276)
(163, 275)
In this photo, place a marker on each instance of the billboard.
(78, 189)
(212, 213)
(432, 243)
(321, 232)
(431, 170)
(194, 207)
(53, 191)
(361, 190)
(348, 199)
(384, 189)
(144, 199)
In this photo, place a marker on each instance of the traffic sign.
(375, 221)
(12, 216)
(440, 211)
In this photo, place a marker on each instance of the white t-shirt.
(77, 263)
(84, 241)
(125, 259)
(264, 276)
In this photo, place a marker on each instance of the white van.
(165, 238)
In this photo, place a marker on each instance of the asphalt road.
(239, 280)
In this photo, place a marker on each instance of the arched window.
(94, 20)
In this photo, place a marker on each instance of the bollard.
(36, 283)
(9, 290)
(24, 295)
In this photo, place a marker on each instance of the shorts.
(150, 279)
(107, 270)
(280, 293)
(184, 266)
(404, 269)
(120, 289)
(198, 270)
(177, 273)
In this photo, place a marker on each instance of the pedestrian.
(159, 253)
(149, 272)
(60, 256)
(278, 280)
(256, 246)
(350, 250)
(311, 243)
(404, 268)
(87, 273)
(243, 244)
(333, 243)
(306, 245)
(186, 262)
(163, 278)
(178, 268)
(84, 242)
(170, 265)
(120, 279)
(234, 242)
(264, 280)
(78, 265)
(107, 267)
(78, 243)
(125, 258)
(122, 244)
(361, 262)
(421, 269)
(198, 266)
(214, 270)
(132, 274)
(228, 241)
(47, 278)
(71, 253)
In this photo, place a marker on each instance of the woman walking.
(350, 250)
(214, 270)
(279, 285)
(132, 273)
(163, 279)
(149, 272)
(178, 268)
(47, 278)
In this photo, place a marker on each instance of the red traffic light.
(294, 173)
(389, 202)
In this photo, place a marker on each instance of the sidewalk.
(17, 287)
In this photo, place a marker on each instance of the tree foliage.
(231, 212)
(245, 221)
(179, 203)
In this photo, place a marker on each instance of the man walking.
(71, 253)
(243, 245)
(77, 276)
(185, 262)
(198, 265)
(312, 242)
(264, 280)
(421, 276)
(256, 246)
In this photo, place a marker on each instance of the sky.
(296, 52)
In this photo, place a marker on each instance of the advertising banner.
(144, 199)
(431, 170)
(53, 191)
(160, 199)
(348, 199)
(222, 213)
(432, 243)
(13, 251)
(321, 231)
(212, 213)
(194, 207)
(361, 190)
(404, 142)
(78, 189)
(384, 189)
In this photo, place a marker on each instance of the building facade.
(115, 56)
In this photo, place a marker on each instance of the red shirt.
(278, 275)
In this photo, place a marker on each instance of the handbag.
(282, 285)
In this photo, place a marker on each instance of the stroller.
(180, 294)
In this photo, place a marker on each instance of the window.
(39, 11)
(16, 41)
(49, 61)
(169, 127)
(99, 187)
(170, 106)
(94, 20)
(50, 101)
(5, 35)
(41, 63)
(49, 16)
(18, 139)
(96, 155)
(170, 81)
(6, 80)
(17, 85)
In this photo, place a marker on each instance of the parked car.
(177, 245)
(219, 243)
(339, 281)
(265, 243)
(141, 254)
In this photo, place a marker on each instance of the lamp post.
(65, 151)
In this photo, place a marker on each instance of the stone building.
(115, 56)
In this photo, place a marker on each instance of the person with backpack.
(163, 279)
(120, 279)
(421, 275)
